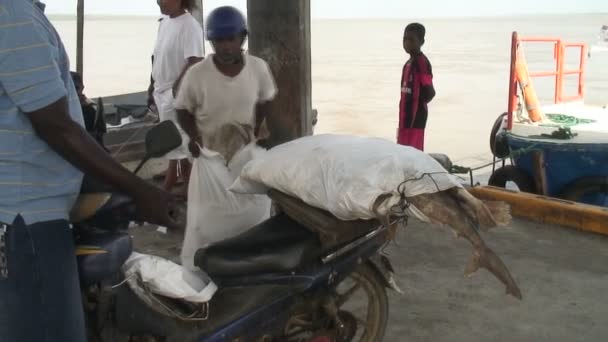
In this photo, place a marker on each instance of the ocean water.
(356, 66)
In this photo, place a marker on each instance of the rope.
(123, 282)
(132, 136)
(128, 141)
(562, 120)
(400, 209)
(460, 169)
(562, 133)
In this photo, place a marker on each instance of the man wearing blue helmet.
(230, 86)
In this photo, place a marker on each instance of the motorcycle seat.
(101, 254)
(277, 245)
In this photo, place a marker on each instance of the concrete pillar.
(280, 34)
(198, 14)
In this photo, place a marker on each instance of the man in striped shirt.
(43, 149)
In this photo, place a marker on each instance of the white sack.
(345, 174)
(169, 279)
(214, 213)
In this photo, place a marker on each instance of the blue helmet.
(225, 22)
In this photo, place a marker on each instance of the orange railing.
(559, 54)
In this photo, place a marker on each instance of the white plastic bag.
(169, 279)
(345, 175)
(214, 213)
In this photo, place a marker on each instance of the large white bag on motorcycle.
(215, 213)
(351, 177)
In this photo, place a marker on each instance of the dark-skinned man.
(44, 151)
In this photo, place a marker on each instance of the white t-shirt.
(178, 39)
(216, 99)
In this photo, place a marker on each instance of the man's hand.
(157, 207)
(195, 147)
(188, 124)
(53, 125)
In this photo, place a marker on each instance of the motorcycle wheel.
(359, 302)
(371, 326)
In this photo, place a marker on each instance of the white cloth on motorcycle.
(168, 279)
(277, 245)
(351, 177)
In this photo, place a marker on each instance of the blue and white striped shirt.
(35, 182)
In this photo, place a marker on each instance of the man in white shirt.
(228, 87)
(179, 45)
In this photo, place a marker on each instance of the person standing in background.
(179, 45)
(416, 89)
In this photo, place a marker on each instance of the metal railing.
(559, 54)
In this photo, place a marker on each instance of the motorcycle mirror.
(160, 140)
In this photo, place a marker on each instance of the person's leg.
(417, 138)
(422, 130)
(170, 176)
(164, 103)
(40, 296)
(186, 168)
(405, 136)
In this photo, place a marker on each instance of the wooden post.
(540, 173)
(80, 37)
(279, 32)
(548, 210)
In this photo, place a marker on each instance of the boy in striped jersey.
(416, 89)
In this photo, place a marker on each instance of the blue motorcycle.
(279, 281)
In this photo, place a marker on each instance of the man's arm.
(261, 112)
(186, 103)
(54, 125)
(187, 122)
(151, 87)
(192, 43)
(427, 91)
(190, 62)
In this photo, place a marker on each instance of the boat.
(127, 116)
(601, 45)
(557, 149)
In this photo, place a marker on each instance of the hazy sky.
(360, 8)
